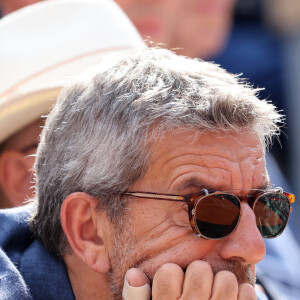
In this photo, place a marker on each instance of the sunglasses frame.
(193, 199)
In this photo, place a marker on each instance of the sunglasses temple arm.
(190, 209)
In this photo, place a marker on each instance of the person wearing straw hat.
(42, 47)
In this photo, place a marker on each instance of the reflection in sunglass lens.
(217, 215)
(272, 213)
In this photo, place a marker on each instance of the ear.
(15, 176)
(85, 228)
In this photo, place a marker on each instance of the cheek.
(168, 238)
(160, 221)
(181, 252)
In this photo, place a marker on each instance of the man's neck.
(86, 283)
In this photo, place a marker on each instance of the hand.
(136, 286)
(198, 282)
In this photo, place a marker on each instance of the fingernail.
(136, 293)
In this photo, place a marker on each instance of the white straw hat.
(46, 44)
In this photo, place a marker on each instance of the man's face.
(17, 158)
(200, 27)
(158, 232)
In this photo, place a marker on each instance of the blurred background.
(260, 39)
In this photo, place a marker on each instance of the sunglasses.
(215, 215)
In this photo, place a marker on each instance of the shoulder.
(15, 216)
(15, 232)
(12, 285)
(14, 238)
(26, 264)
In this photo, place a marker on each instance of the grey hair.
(98, 137)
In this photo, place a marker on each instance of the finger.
(136, 286)
(136, 278)
(198, 281)
(225, 286)
(167, 282)
(246, 292)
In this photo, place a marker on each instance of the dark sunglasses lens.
(272, 212)
(217, 215)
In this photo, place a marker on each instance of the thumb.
(136, 285)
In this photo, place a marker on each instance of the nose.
(246, 241)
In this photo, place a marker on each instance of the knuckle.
(247, 292)
(169, 268)
(167, 282)
(227, 281)
(226, 276)
(198, 280)
(199, 266)
(225, 286)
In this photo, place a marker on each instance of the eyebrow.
(267, 185)
(195, 182)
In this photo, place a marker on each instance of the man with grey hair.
(150, 171)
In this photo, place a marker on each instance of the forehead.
(184, 161)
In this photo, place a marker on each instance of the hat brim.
(24, 110)
(62, 39)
